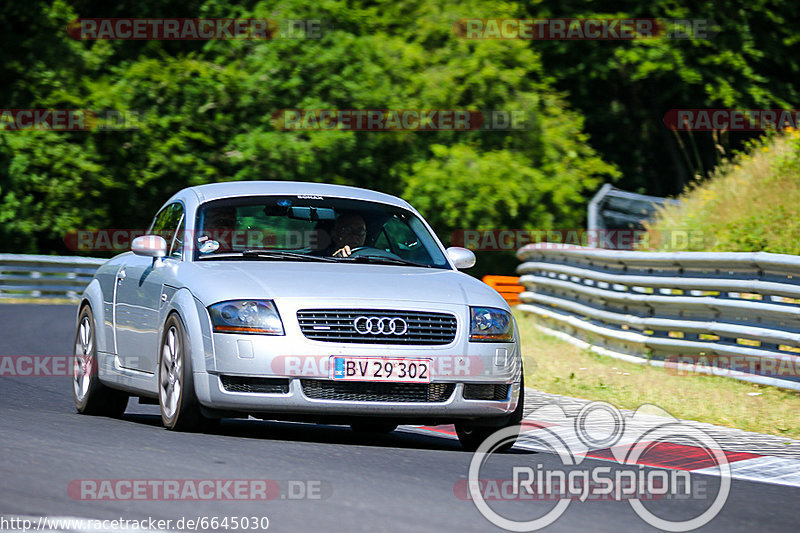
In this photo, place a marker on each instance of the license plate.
(398, 369)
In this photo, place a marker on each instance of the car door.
(139, 292)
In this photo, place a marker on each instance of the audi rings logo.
(380, 325)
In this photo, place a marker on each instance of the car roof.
(228, 189)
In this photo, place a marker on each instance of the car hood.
(228, 280)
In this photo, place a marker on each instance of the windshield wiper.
(270, 254)
(379, 259)
(294, 256)
(282, 254)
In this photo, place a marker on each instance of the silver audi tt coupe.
(297, 301)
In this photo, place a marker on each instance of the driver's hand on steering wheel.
(342, 252)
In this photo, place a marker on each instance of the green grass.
(556, 366)
(750, 204)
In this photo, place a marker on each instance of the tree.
(205, 113)
(624, 88)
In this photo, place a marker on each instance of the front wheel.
(179, 407)
(471, 436)
(91, 397)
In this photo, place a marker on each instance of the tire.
(180, 410)
(92, 397)
(471, 436)
(373, 427)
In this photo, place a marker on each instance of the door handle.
(121, 275)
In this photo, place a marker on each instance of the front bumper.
(212, 394)
(294, 357)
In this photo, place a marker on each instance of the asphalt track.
(399, 482)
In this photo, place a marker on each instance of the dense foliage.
(206, 108)
(750, 60)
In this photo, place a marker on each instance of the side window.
(403, 239)
(169, 224)
(177, 244)
(158, 222)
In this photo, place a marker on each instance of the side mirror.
(149, 246)
(461, 257)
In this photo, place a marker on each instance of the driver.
(219, 226)
(349, 232)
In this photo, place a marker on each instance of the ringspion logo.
(599, 426)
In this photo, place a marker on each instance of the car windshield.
(313, 228)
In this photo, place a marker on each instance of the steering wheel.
(353, 251)
(359, 249)
(370, 250)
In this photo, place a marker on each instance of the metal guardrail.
(45, 276)
(612, 208)
(733, 314)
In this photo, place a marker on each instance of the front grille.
(257, 385)
(362, 391)
(486, 392)
(337, 325)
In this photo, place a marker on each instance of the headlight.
(488, 324)
(246, 316)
